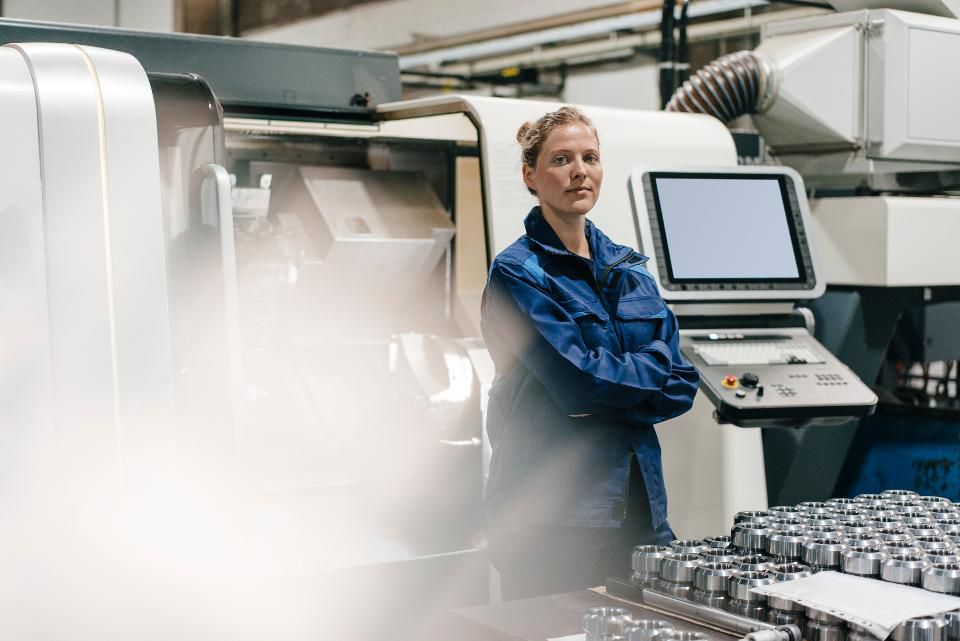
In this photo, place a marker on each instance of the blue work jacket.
(587, 361)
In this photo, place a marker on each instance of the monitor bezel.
(651, 236)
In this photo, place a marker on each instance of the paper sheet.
(878, 606)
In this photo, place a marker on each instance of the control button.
(740, 393)
(730, 382)
(747, 379)
(760, 391)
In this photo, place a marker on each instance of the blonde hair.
(531, 135)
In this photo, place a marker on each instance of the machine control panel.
(774, 377)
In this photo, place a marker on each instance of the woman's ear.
(528, 177)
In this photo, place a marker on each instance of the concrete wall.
(154, 15)
(632, 87)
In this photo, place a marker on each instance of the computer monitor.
(726, 233)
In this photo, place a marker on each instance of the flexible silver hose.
(730, 86)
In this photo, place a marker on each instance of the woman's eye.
(559, 160)
(592, 158)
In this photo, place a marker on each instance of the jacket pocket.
(639, 320)
(593, 324)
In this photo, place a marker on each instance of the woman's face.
(568, 173)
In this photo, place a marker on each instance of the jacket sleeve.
(678, 391)
(538, 331)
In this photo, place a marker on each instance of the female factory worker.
(587, 361)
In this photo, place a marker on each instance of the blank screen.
(726, 229)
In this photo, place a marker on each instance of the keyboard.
(757, 352)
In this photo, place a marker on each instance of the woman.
(587, 361)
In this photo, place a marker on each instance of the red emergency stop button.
(730, 381)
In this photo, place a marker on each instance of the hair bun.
(523, 131)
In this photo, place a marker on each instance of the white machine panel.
(888, 241)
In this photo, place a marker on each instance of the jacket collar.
(602, 249)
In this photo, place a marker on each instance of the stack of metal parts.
(895, 536)
(617, 624)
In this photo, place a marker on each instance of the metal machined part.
(752, 516)
(719, 542)
(645, 629)
(781, 617)
(858, 529)
(905, 548)
(751, 538)
(925, 531)
(862, 560)
(942, 558)
(936, 543)
(688, 546)
(949, 526)
(859, 633)
(756, 563)
(788, 525)
(841, 503)
(832, 532)
(725, 619)
(932, 628)
(874, 512)
(790, 571)
(817, 631)
(784, 512)
(645, 559)
(681, 591)
(954, 537)
(817, 521)
(941, 577)
(934, 501)
(784, 605)
(813, 507)
(884, 522)
(892, 535)
(721, 556)
(741, 584)
(905, 569)
(913, 519)
(943, 512)
(821, 554)
(821, 616)
(785, 547)
(709, 599)
(868, 539)
(905, 506)
(679, 568)
(605, 624)
(953, 625)
(682, 635)
(845, 515)
(871, 499)
(750, 610)
(899, 494)
(713, 577)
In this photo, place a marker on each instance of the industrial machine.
(730, 249)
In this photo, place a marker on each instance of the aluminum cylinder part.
(645, 559)
(905, 506)
(913, 519)
(823, 554)
(863, 539)
(816, 631)
(780, 617)
(813, 507)
(858, 530)
(755, 563)
(784, 605)
(796, 526)
(932, 628)
(955, 538)
(721, 556)
(750, 610)
(949, 526)
(874, 512)
(942, 558)
(871, 499)
(682, 635)
(905, 548)
(899, 494)
(885, 522)
(786, 547)
(605, 624)
(846, 515)
(714, 577)
(718, 542)
(905, 569)
(821, 616)
(784, 512)
(841, 503)
(941, 577)
(953, 625)
(741, 584)
(677, 590)
(679, 568)
(790, 571)
(752, 516)
(831, 532)
(645, 629)
(893, 535)
(751, 538)
(925, 530)
(688, 546)
(930, 502)
(936, 543)
(710, 599)
(941, 512)
(862, 560)
(818, 521)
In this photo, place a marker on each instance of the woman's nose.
(578, 168)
